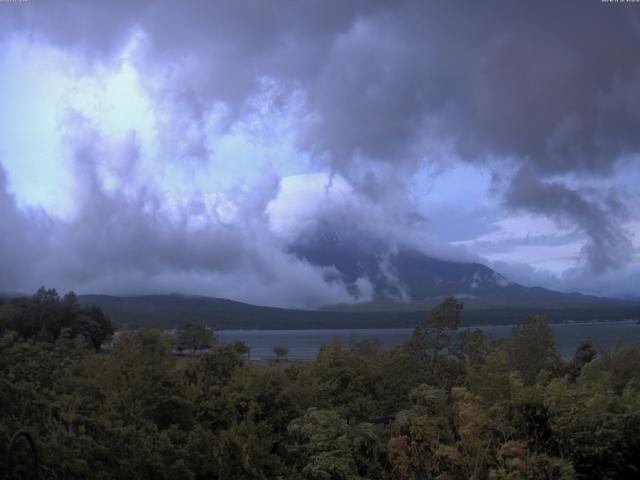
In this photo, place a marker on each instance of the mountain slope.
(171, 311)
(403, 278)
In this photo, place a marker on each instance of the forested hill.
(400, 274)
(168, 311)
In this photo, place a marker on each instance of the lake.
(305, 344)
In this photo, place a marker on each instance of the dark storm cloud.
(609, 244)
(555, 83)
(388, 86)
(231, 44)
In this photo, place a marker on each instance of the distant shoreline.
(462, 326)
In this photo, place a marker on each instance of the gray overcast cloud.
(383, 97)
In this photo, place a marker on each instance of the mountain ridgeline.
(392, 285)
(172, 311)
(402, 278)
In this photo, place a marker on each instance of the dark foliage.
(440, 406)
(46, 316)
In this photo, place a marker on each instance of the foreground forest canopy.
(444, 405)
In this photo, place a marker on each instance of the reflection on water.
(304, 344)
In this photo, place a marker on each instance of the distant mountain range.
(404, 279)
(396, 286)
(404, 284)
(171, 311)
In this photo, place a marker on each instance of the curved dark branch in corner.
(12, 443)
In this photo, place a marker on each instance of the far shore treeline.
(442, 405)
(46, 315)
(173, 311)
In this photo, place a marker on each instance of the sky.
(157, 146)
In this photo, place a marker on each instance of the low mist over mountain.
(384, 275)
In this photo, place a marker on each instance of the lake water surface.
(305, 344)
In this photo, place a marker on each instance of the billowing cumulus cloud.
(124, 241)
(609, 244)
(379, 97)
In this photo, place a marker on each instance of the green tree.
(472, 346)
(436, 331)
(45, 316)
(281, 351)
(194, 337)
(326, 447)
(420, 435)
(585, 353)
(92, 324)
(432, 345)
(242, 348)
(40, 313)
(532, 349)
